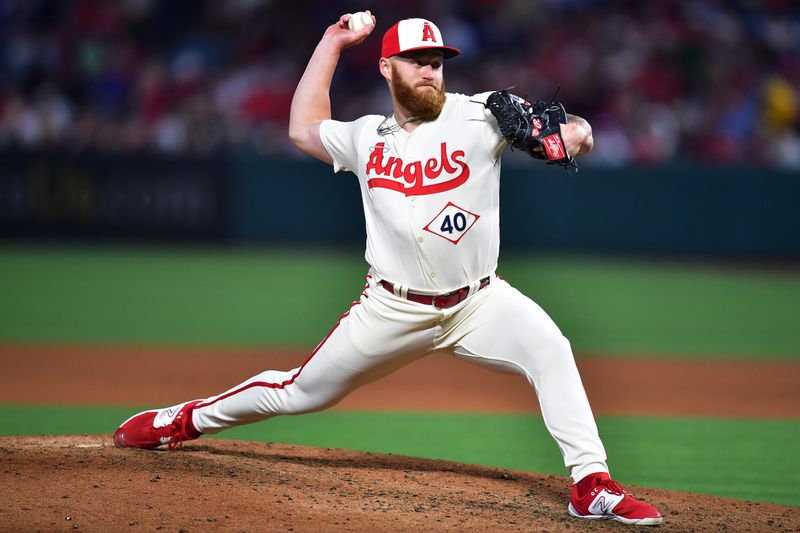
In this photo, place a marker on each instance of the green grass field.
(292, 298)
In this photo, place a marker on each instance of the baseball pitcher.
(429, 175)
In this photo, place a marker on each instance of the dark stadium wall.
(676, 209)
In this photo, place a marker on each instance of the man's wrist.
(330, 47)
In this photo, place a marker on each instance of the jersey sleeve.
(495, 143)
(341, 141)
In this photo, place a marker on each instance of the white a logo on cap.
(413, 34)
(427, 33)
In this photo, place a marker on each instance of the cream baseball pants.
(497, 327)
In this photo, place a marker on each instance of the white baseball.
(359, 20)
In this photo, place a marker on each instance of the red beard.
(423, 104)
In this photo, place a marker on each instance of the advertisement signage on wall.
(88, 195)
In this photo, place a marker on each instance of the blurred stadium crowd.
(714, 81)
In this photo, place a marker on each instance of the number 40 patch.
(452, 223)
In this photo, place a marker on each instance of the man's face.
(417, 82)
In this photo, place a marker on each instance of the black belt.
(439, 301)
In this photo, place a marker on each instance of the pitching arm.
(311, 103)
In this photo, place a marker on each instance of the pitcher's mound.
(84, 483)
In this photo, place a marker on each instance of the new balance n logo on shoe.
(601, 498)
(605, 503)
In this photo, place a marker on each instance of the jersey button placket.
(412, 202)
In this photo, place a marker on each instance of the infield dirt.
(157, 377)
(84, 483)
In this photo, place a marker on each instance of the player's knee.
(554, 349)
(302, 402)
(562, 346)
(313, 406)
(544, 353)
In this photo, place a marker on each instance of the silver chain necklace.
(385, 128)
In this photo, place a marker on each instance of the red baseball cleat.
(151, 429)
(598, 497)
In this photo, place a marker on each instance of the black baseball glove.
(533, 128)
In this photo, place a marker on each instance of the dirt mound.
(84, 483)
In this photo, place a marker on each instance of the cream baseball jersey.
(431, 197)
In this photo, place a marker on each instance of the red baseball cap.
(415, 34)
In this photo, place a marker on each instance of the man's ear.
(385, 67)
